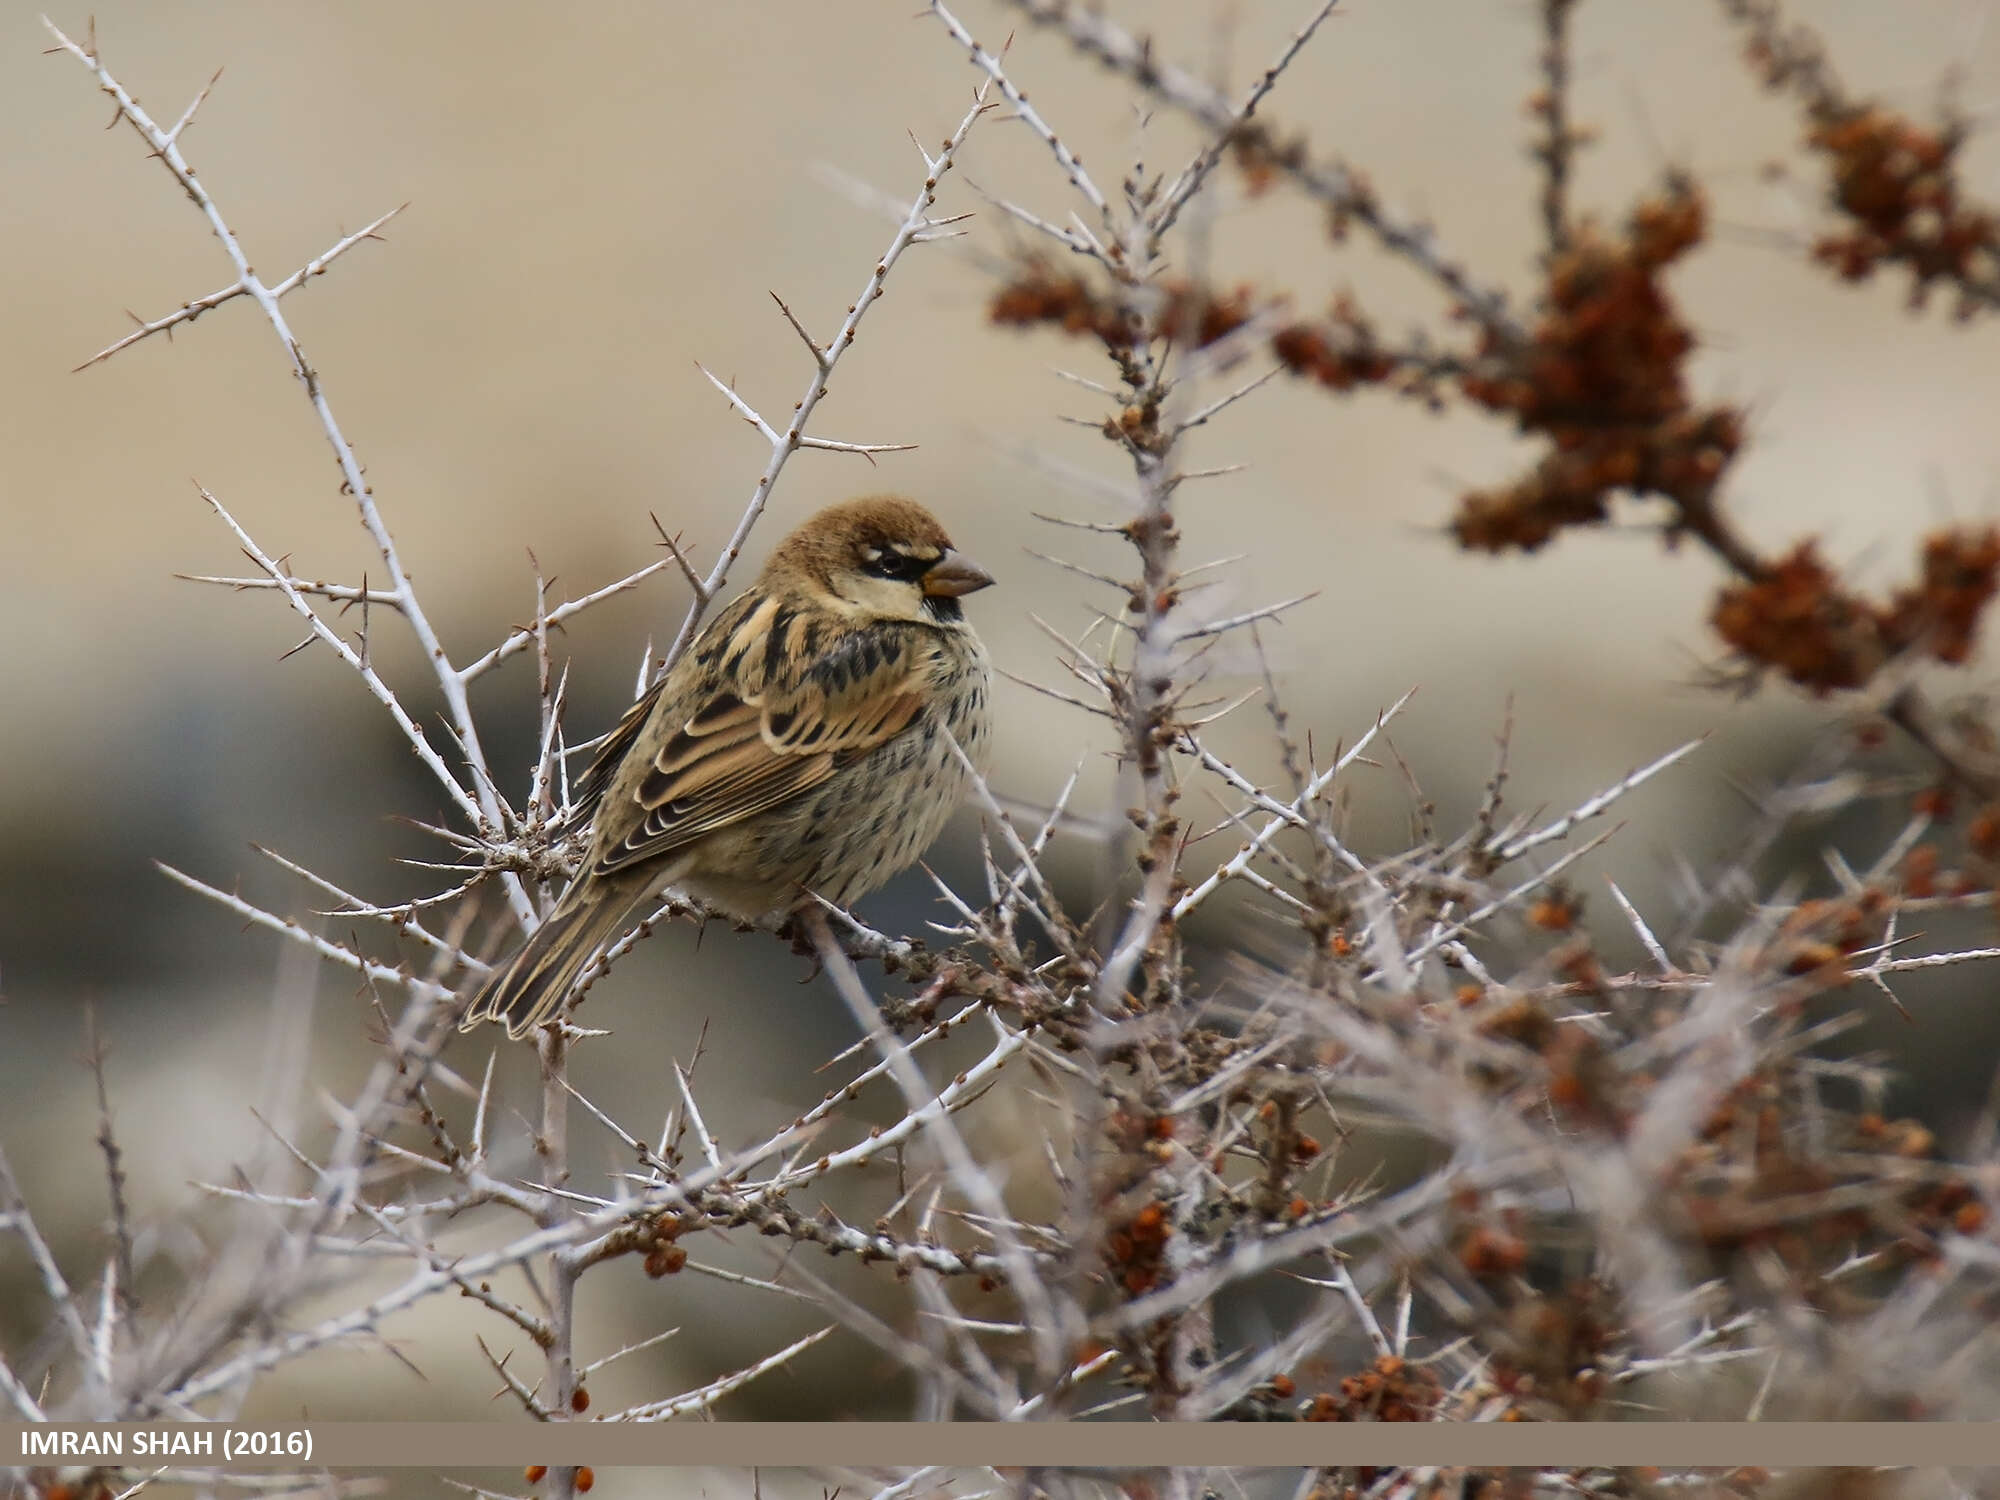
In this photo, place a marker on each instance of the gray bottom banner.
(1062, 1445)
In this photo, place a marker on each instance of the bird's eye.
(890, 563)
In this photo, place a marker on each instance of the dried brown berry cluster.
(1187, 313)
(1754, 1182)
(1941, 613)
(1893, 181)
(1390, 1390)
(1342, 351)
(1135, 1249)
(1261, 158)
(1795, 617)
(1556, 1346)
(1601, 377)
(1338, 351)
(1820, 937)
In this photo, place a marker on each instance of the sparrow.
(797, 749)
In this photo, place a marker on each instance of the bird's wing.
(766, 719)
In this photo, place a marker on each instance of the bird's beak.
(952, 575)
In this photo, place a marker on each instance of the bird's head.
(882, 557)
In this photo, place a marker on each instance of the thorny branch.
(166, 147)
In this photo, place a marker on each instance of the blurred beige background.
(601, 196)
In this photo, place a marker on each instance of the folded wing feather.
(750, 749)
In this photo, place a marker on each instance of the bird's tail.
(527, 989)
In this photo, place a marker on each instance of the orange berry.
(1491, 1252)
(1932, 802)
(1552, 914)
